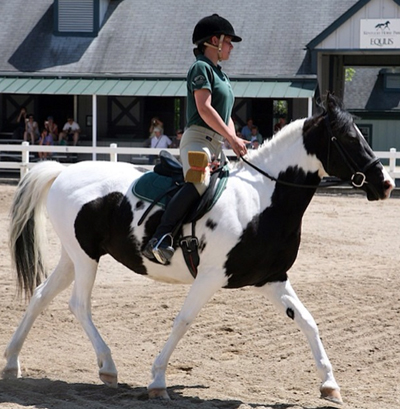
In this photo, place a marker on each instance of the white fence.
(139, 155)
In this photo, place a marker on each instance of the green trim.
(295, 88)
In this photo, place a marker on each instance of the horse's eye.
(352, 137)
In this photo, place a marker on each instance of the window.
(81, 18)
(392, 82)
(366, 131)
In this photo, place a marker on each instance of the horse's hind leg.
(80, 306)
(58, 281)
(286, 300)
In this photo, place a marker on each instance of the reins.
(358, 178)
(284, 182)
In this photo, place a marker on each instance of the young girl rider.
(209, 106)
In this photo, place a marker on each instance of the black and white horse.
(249, 238)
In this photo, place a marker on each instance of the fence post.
(113, 154)
(24, 159)
(392, 160)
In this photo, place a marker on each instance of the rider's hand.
(238, 145)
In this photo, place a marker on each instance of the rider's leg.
(161, 244)
(204, 146)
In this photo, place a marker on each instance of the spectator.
(31, 130)
(70, 132)
(160, 140)
(255, 144)
(155, 123)
(51, 127)
(176, 140)
(20, 130)
(246, 130)
(255, 135)
(46, 139)
(280, 124)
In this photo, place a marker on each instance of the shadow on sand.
(46, 393)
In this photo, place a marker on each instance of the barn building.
(115, 64)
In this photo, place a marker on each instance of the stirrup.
(198, 162)
(162, 252)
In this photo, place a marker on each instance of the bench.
(11, 141)
(6, 135)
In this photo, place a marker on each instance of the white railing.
(393, 156)
(25, 149)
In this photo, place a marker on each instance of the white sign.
(380, 34)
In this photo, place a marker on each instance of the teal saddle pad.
(154, 187)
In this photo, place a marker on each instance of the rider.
(209, 106)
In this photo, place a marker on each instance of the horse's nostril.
(388, 184)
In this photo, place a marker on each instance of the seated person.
(159, 140)
(45, 139)
(280, 124)
(255, 135)
(51, 127)
(31, 130)
(70, 132)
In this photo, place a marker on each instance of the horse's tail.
(27, 229)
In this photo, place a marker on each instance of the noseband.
(358, 178)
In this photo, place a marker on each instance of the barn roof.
(152, 38)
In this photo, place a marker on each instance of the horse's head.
(346, 154)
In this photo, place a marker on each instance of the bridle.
(358, 178)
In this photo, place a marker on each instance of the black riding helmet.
(213, 26)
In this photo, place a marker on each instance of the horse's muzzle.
(382, 189)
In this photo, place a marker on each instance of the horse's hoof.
(333, 395)
(158, 393)
(109, 380)
(11, 373)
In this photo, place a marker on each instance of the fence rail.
(23, 152)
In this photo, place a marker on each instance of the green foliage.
(280, 108)
(349, 74)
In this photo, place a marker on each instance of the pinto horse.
(249, 238)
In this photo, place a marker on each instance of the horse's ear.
(331, 101)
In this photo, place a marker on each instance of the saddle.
(158, 187)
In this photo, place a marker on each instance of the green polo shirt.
(204, 74)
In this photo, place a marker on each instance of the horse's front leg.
(201, 291)
(286, 300)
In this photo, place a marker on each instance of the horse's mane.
(285, 137)
(340, 119)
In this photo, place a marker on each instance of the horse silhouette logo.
(383, 26)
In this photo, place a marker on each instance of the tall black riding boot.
(160, 246)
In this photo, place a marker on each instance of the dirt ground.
(239, 354)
